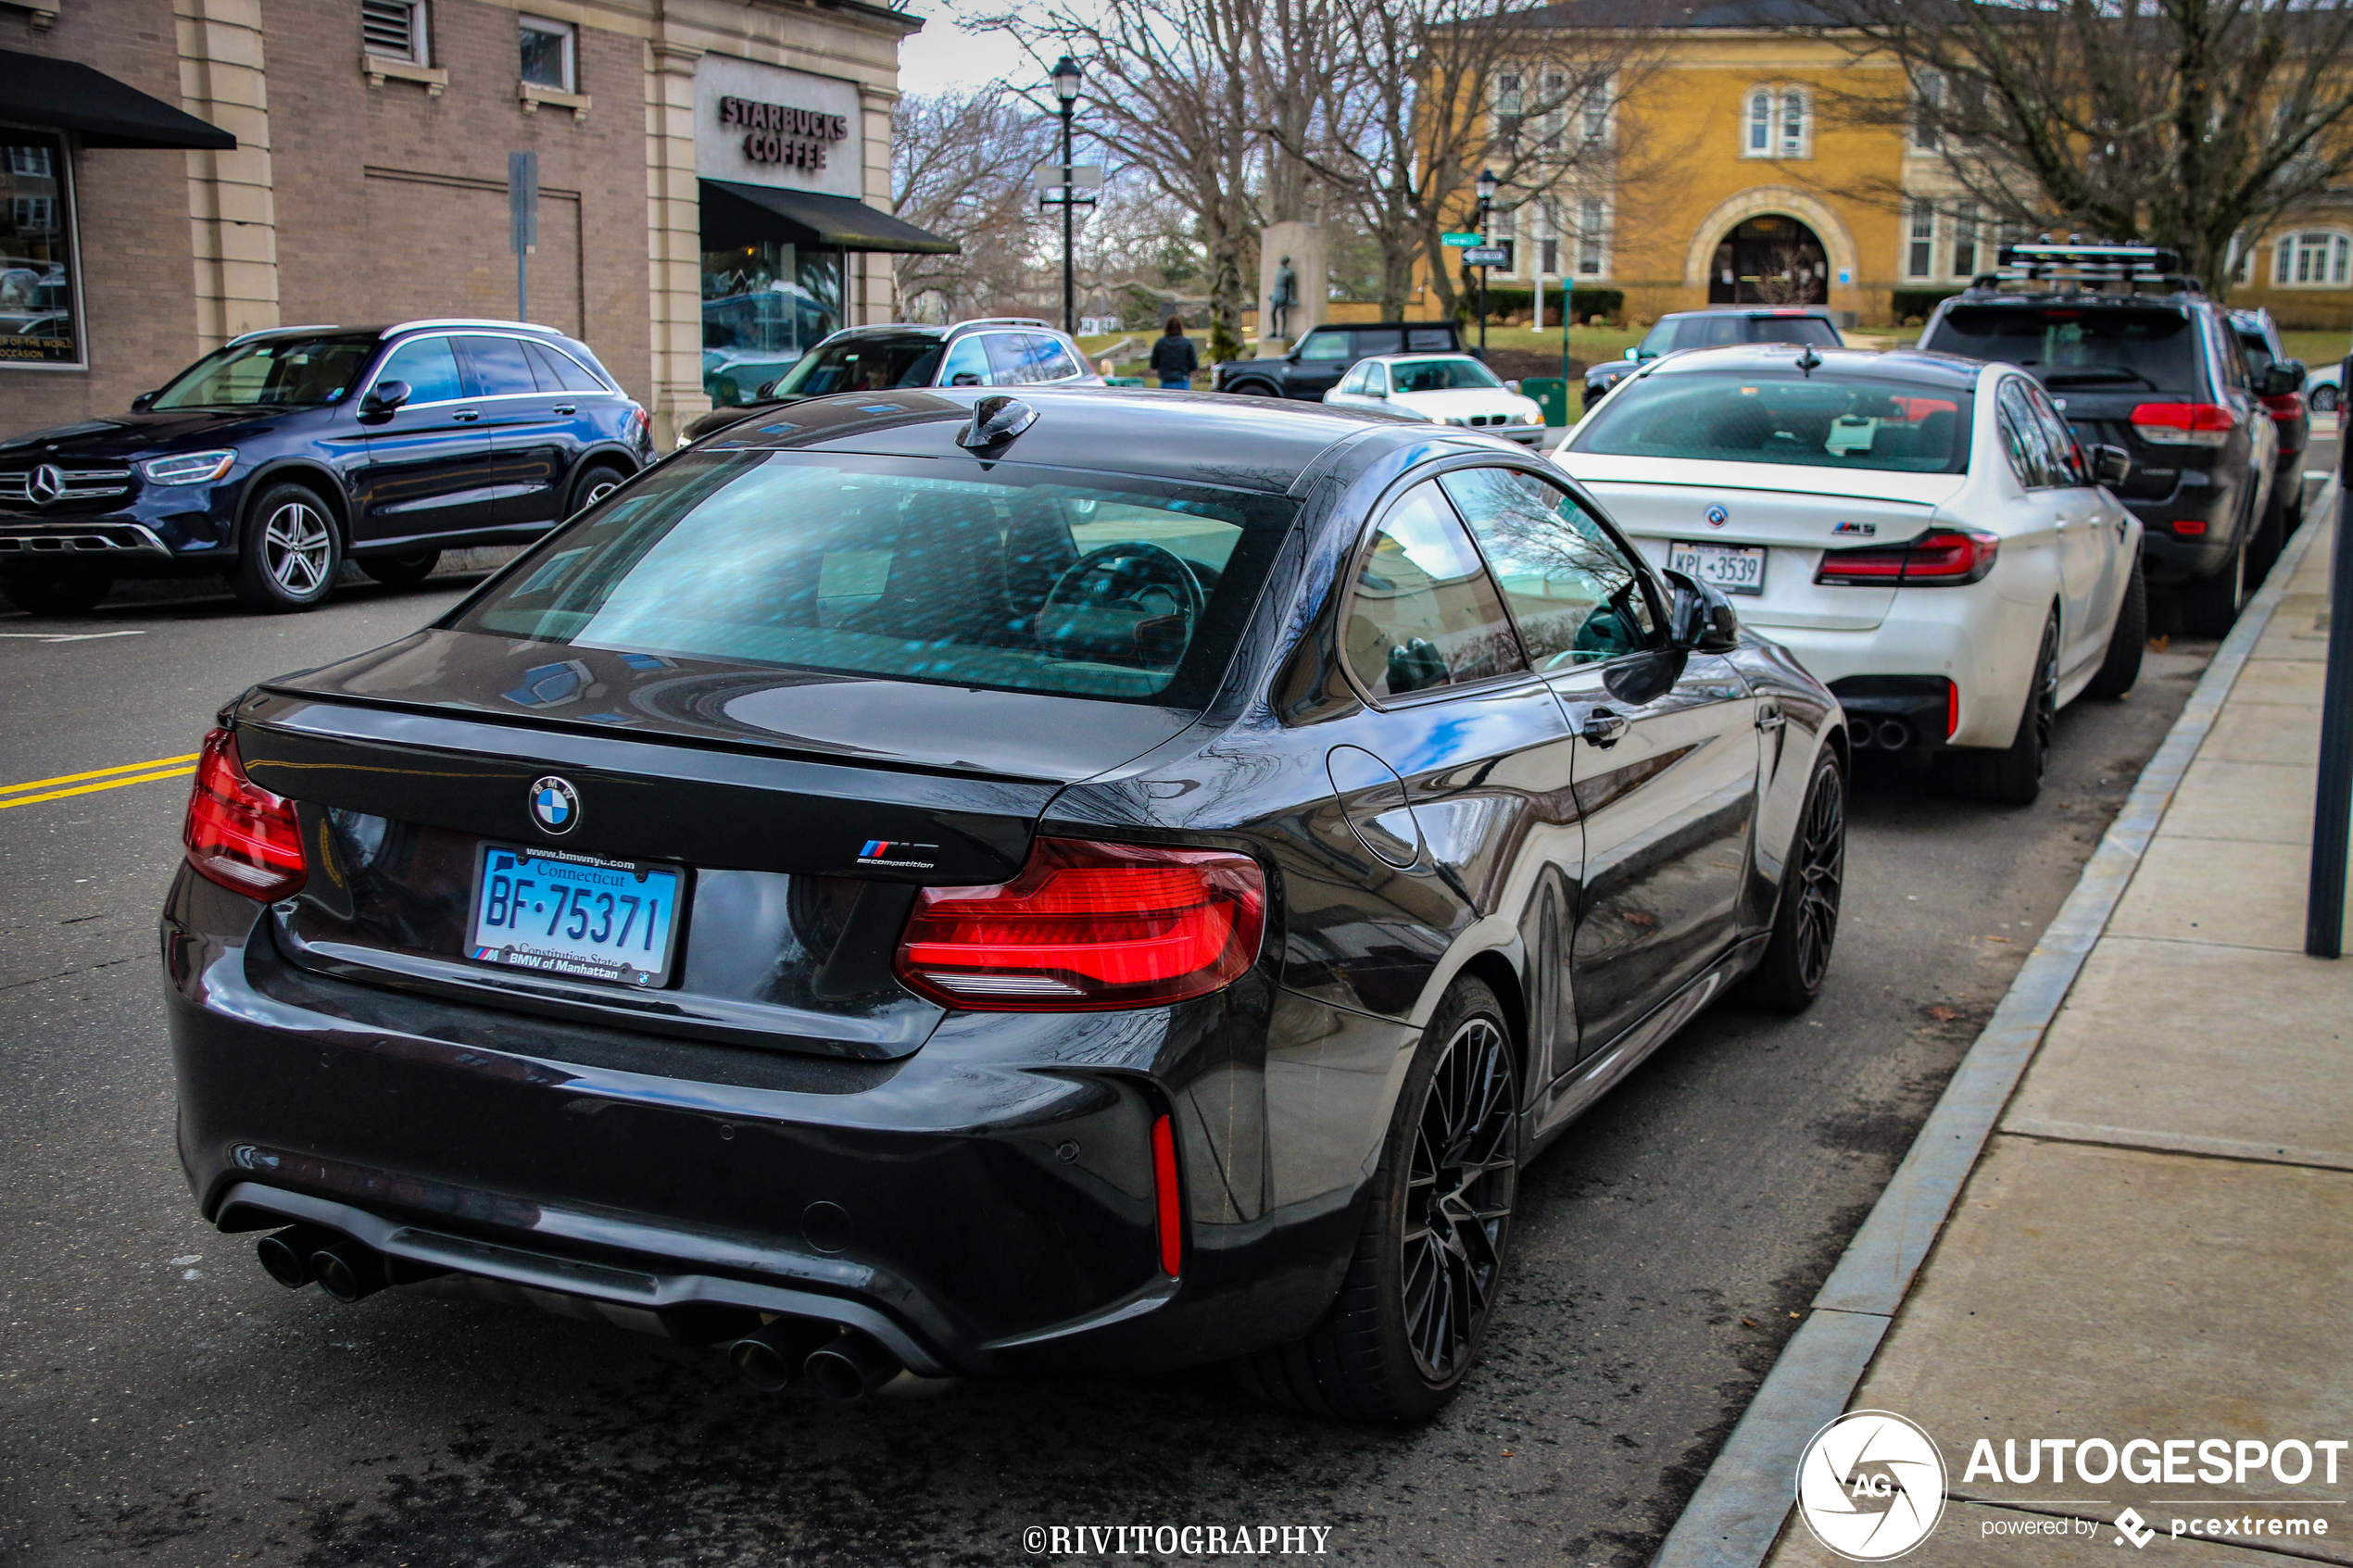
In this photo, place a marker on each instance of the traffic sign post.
(1459, 241)
(1487, 256)
(2332, 810)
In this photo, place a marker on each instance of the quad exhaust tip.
(839, 1365)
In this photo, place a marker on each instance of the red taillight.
(238, 834)
(1168, 1207)
(1945, 557)
(2286, 408)
(2184, 424)
(2189, 527)
(1088, 927)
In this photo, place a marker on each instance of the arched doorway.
(1770, 259)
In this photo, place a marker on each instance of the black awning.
(39, 90)
(734, 215)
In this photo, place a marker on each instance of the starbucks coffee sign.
(780, 134)
(759, 124)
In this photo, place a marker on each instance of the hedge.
(1905, 304)
(1514, 299)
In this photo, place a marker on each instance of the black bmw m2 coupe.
(962, 884)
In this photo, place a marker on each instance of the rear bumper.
(984, 1206)
(1975, 637)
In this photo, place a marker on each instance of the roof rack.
(1002, 321)
(273, 331)
(465, 321)
(2087, 268)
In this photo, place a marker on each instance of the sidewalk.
(2156, 1240)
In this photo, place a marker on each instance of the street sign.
(523, 223)
(1487, 256)
(1458, 241)
(1083, 177)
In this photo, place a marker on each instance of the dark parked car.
(999, 887)
(990, 351)
(1716, 327)
(1317, 362)
(2135, 357)
(275, 456)
(2259, 340)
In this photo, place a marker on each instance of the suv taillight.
(238, 834)
(1943, 558)
(1089, 926)
(2184, 424)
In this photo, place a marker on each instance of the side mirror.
(1633, 354)
(766, 389)
(384, 396)
(1511, 386)
(2280, 378)
(2111, 465)
(143, 402)
(1701, 617)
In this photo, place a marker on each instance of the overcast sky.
(944, 54)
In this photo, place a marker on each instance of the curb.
(1743, 1501)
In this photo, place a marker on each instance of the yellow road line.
(85, 789)
(101, 774)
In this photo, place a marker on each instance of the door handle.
(467, 416)
(1603, 728)
(563, 407)
(1770, 716)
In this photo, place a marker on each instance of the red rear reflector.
(2184, 424)
(1089, 926)
(1944, 558)
(1167, 1199)
(2189, 526)
(1951, 710)
(237, 832)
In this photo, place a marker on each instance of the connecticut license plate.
(561, 913)
(1735, 569)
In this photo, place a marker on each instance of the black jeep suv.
(277, 456)
(1317, 361)
(2135, 356)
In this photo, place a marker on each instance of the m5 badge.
(1867, 530)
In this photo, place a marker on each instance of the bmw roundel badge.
(555, 805)
(1717, 517)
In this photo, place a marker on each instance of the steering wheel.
(1142, 582)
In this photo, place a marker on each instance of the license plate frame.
(506, 943)
(1690, 557)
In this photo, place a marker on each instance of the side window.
(2066, 457)
(1325, 347)
(496, 367)
(2022, 437)
(429, 367)
(559, 371)
(1376, 380)
(965, 358)
(1423, 612)
(1429, 340)
(1382, 340)
(1006, 353)
(1576, 595)
(1357, 380)
(1048, 360)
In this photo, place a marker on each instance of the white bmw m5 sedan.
(1924, 532)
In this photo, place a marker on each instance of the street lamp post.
(1067, 80)
(1487, 184)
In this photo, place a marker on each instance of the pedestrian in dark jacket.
(1174, 360)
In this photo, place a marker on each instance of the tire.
(2210, 605)
(1797, 957)
(593, 484)
(69, 591)
(2013, 776)
(290, 552)
(1411, 1313)
(2324, 398)
(2127, 640)
(399, 572)
(2263, 547)
(1251, 389)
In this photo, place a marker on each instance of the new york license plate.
(580, 915)
(1735, 569)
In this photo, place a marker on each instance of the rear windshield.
(1830, 419)
(1442, 375)
(2257, 352)
(987, 575)
(2101, 345)
(861, 364)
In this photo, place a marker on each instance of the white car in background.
(1447, 389)
(1923, 531)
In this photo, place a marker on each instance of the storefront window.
(38, 321)
(764, 307)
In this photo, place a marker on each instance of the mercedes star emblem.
(46, 484)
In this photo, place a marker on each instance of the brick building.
(713, 177)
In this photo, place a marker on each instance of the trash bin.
(1122, 380)
(1552, 395)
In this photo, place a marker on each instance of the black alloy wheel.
(1797, 958)
(1407, 1324)
(2013, 776)
(596, 482)
(290, 553)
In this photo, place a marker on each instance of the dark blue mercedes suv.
(274, 458)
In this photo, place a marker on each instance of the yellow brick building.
(1739, 177)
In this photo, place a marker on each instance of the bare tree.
(960, 167)
(2193, 124)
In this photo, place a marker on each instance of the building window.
(1919, 247)
(547, 54)
(1927, 97)
(395, 29)
(40, 310)
(1965, 239)
(1596, 109)
(1508, 108)
(1551, 257)
(1780, 123)
(1592, 236)
(2317, 258)
(1555, 110)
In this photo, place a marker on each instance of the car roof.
(1187, 438)
(1758, 311)
(1949, 369)
(1420, 354)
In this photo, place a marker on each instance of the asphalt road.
(162, 1401)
